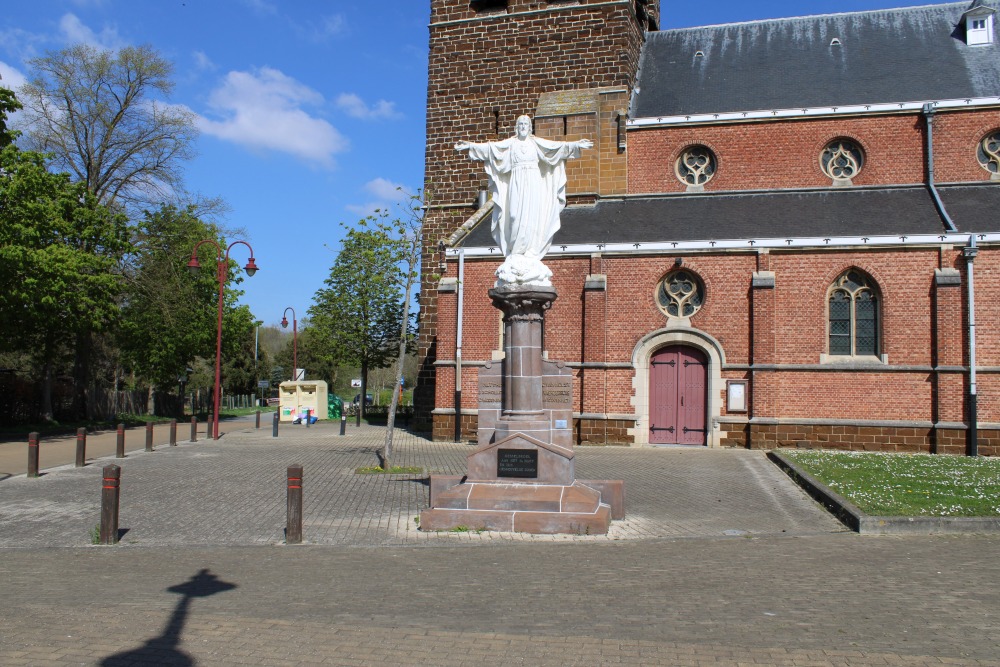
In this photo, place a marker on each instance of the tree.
(356, 315)
(93, 111)
(169, 317)
(406, 233)
(60, 255)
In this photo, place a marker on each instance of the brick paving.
(721, 561)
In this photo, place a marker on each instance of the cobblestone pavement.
(232, 492)
(720, 561)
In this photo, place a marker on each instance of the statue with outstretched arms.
(528, 184)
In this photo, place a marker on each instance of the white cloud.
(261, 6)
(21, 42)
(354, 106)
(202, 61)
(331, 25)
(90, 3)
(75, 31)
(386, 190)
(11, 77)
(387, 194)
(264, 110)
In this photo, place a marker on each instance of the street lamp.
(221, 272)
(295, 340)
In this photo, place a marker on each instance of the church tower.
(570, 64)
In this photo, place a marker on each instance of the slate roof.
(783, 214)
(898, 55)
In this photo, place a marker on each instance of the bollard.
(173, 432)
(149, 436)
(308, 417)
(358, 417)
(110, 490)
(293, 529)
(194, 429)
(33, 454)
(81, 447)
(274, 426)
(343, 424)
(257, 425)
(120, 447)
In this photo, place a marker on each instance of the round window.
(988, 153)
(680, 293)
(841, 160)
(695, 166)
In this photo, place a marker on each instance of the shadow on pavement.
(163, 650)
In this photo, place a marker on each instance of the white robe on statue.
(528, 184)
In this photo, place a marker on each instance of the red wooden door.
(677, 396)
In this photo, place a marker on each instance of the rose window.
(841, 160)
(988, 154)
(695, 166)
(680, 294)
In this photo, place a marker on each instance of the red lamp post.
(295, 340)
(222, 266)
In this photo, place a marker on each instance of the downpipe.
(970, 251)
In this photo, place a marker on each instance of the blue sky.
(311, 112)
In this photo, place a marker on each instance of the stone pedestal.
(522, 475)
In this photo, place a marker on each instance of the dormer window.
(978, 20)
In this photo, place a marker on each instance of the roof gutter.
(928, 112)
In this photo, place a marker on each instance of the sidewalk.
(61, 449)
(721, 560)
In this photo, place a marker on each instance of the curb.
(865, 524)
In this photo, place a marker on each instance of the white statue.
(528, 183)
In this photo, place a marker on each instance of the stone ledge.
(865, 524)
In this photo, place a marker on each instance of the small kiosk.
(297, 397)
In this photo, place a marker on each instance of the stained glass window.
(695, 166)
(854, 315)
(841, 160)
(680, 293)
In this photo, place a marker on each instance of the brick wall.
(484, 70)
(785, 154)
(923, 326)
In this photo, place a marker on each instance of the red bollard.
(32, 454)
(293, 526)
(110, 492)
(120, 448)
(81, 447)
(194, 429)
(149, 436)
(173, 432)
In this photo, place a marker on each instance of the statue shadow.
(164, 649)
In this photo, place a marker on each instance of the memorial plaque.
(557, 392)
(517, 463)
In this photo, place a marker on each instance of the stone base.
(575, 508)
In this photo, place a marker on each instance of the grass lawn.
(908, 484)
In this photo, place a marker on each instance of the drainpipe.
(970, 251)
(928, 111)
(458, 345)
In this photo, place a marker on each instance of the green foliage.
(8, 104)
(163, 297)
(908, 484)
(60, 258)
(357, 316)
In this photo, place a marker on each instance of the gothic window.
(841, 160)
(988, 154)
(854, 315)
(680, 293)
(695, 166)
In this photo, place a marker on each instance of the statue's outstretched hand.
(463, 146)
(585, 143)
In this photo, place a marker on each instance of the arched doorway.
(678, 396)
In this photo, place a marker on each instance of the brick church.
(784, 234)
